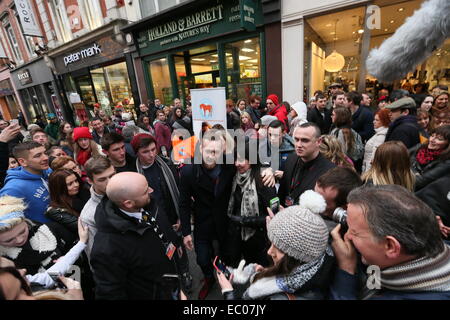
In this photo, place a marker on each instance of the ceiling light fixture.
(361, 31)
(248, 41)
(401, 9)
(198, 59)
(335, 61)
(392, 21)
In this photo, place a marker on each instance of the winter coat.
(426, 174)
(211, 198)
(233, 119)
(128, 258)
(63, 217)
(357, 151)
(345, 286)
(4, 162)
(44, 245)
(312, 171)
(315, 116)
(404, 129)
(286, 148)
(437, 196)
(96, 137)
(372, 145)
(362, 122)
(87, 217)
(255, 114)
(276, 288)
(32, 188)
(52, 129)
(163, 135)
(281, 113)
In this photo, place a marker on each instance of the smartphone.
(275, 205)
(14, 121)
(55, 277)
(221, 267)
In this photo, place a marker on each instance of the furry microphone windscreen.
(412, 43)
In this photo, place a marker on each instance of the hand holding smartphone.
(275, 205)
(55, 277)
(221, 267)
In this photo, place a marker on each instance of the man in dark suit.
(303, 167)
(320, 115)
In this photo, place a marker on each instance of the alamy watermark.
(373, 277)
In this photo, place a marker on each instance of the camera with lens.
(340, 216)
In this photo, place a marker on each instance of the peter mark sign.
(95, 49)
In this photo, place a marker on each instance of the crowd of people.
(336, 187)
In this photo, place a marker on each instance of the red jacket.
(281, 113)
(163, 136)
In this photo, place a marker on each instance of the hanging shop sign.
(24, 77)
(222, 18)
(27, 18)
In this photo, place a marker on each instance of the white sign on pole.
(27, 19)
(208, 108)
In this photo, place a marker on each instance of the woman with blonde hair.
(331, 149)
(391, 165)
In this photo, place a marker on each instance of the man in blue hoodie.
(30, 180)
(283, 143)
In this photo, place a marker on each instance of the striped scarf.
(423, 274)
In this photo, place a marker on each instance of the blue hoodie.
(30, 187)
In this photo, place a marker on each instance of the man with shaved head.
(135, 250)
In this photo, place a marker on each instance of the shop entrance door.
(86, 90)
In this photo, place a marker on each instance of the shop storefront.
(36, 88)
(94, 74)
(9, 106)
(209, 44)
(328, 29)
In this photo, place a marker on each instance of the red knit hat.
(137, 139)
(274, 98)
(81, 132)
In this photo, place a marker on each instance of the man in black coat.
(403, 125)
(362, 117)
(303, 167)
(320, 115)
(206, 186)
(135, 250)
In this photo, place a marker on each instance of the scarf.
(83, 156)
(425, 155)
(290, 283)
(423, 274)
(249, 203)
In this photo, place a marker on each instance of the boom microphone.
(412, 43)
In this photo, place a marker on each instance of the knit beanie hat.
(274, 98)
(11, 212)
(299, 231)
(136, 141)
(81, 132)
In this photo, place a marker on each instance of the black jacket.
(233, 119)
(437, 196)
(96, 137)
(255, 114)
(293, 187)
(404, 129)
(4, 162)
(362, 122)
(315, 116)
(211, 200)
(128, 258)
(426, 174)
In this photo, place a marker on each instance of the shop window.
(92, 13)
(119, 85)
(243, 63)
(162, 87)
(150, 7)
(197, 68)
(333, 33)
(13, 42)
(58, 11)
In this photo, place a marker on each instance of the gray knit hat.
(299, 231)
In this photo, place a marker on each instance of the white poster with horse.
(208, 108)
